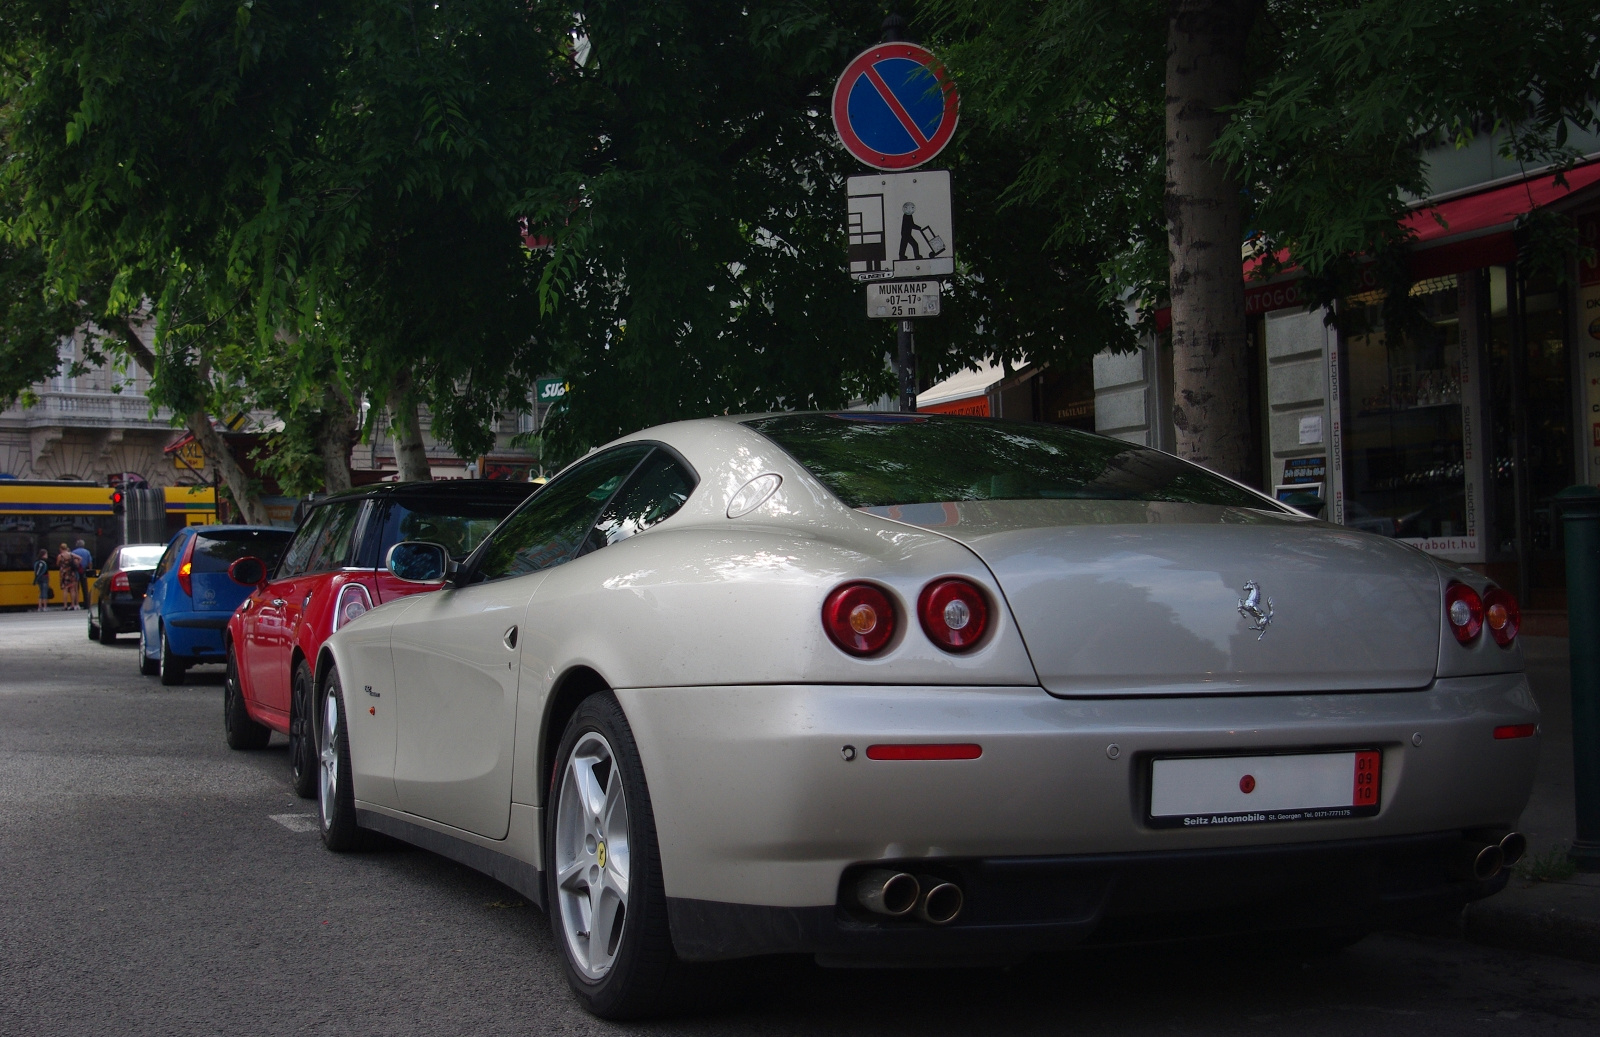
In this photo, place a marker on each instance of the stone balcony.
(62, 409)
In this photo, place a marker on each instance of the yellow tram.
(36, 514)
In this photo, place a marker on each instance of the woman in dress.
(67, 563)
(41, 578)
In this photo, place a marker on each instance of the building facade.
(89, 428)
(1454, 437)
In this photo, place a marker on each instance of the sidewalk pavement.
(1545, 907)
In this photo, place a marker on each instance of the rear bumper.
(123, 611)
(1021, 905)
(197, 635)
(756, 804)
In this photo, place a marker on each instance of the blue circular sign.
(895, 107)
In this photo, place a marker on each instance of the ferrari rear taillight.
(954, 613)
(1502, 616)
(1463, 609)
(353, 601)
(859, 618)
(119, 582)
(186, 569)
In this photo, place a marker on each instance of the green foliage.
(30, 323)
(1554, 865)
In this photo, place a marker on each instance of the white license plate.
(1191, 792)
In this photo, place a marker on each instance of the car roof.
(451, 489)
(234, 529)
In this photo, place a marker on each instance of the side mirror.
(1309, 503)
(248, 571)
(417, 561)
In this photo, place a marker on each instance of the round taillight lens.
(353, 602)
(858, 618)
(1502, 616)
(1463, 609)
(954, 613)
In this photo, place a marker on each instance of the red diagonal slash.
(896, 107)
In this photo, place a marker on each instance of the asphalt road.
(153, 881)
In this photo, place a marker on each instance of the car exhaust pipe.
(1512, 847)
(886, 892)
(941, 902)
(1479, 860)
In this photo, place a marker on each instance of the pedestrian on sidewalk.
(41, 578)
(85, 563)
(67, 563)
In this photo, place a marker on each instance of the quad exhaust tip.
(1512, 847)
(893, 893)
(898, 894)
(941, 902)
(1480, 860)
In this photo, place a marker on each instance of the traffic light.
(118, 504)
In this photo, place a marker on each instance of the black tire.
(94, 628)
(105, 632)
(148, 667)
(645, 977)
(169, 667)
(336, 799)
(303, 760)
(240, 731)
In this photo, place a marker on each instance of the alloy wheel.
(591, 855)
(328, 753)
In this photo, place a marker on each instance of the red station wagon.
(332, 571)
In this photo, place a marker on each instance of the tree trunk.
(1210, 365)
(336, 437)
(245, 495)
(409, 453)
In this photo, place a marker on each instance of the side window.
(458, 524)
(551, 526)
(656, 491)
(332, 548)
(166, 559)
(305, 540)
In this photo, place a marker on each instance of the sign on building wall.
(189, 456)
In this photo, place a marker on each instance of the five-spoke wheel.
(591, 855)
(603, 869)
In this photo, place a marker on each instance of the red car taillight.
(954, 613)
(859, 618)
(186, 569)
(353, 601)
(119, 582)
(1464, 611)
(1502, 616)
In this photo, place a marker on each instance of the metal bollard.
(1580, 516)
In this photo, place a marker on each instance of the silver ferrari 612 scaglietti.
(893, 689)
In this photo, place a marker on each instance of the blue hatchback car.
(191, 595)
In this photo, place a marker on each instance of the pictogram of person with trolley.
(909, 229)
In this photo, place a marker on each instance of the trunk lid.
(1121, 598)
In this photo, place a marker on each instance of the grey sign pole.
(906, 365)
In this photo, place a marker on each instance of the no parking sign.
(895, 106)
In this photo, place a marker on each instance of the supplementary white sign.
(899, 226)
(899, 299)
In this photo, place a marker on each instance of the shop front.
(1456, 434)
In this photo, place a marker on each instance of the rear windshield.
(143, 556)
(214, 552)
(457, 525)
(872, 460)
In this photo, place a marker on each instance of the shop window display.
(1404, 458)
(1530, 391)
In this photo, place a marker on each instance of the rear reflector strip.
(926, 751)
(1516, 731)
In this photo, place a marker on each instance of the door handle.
(279, 602)
(511, 638)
